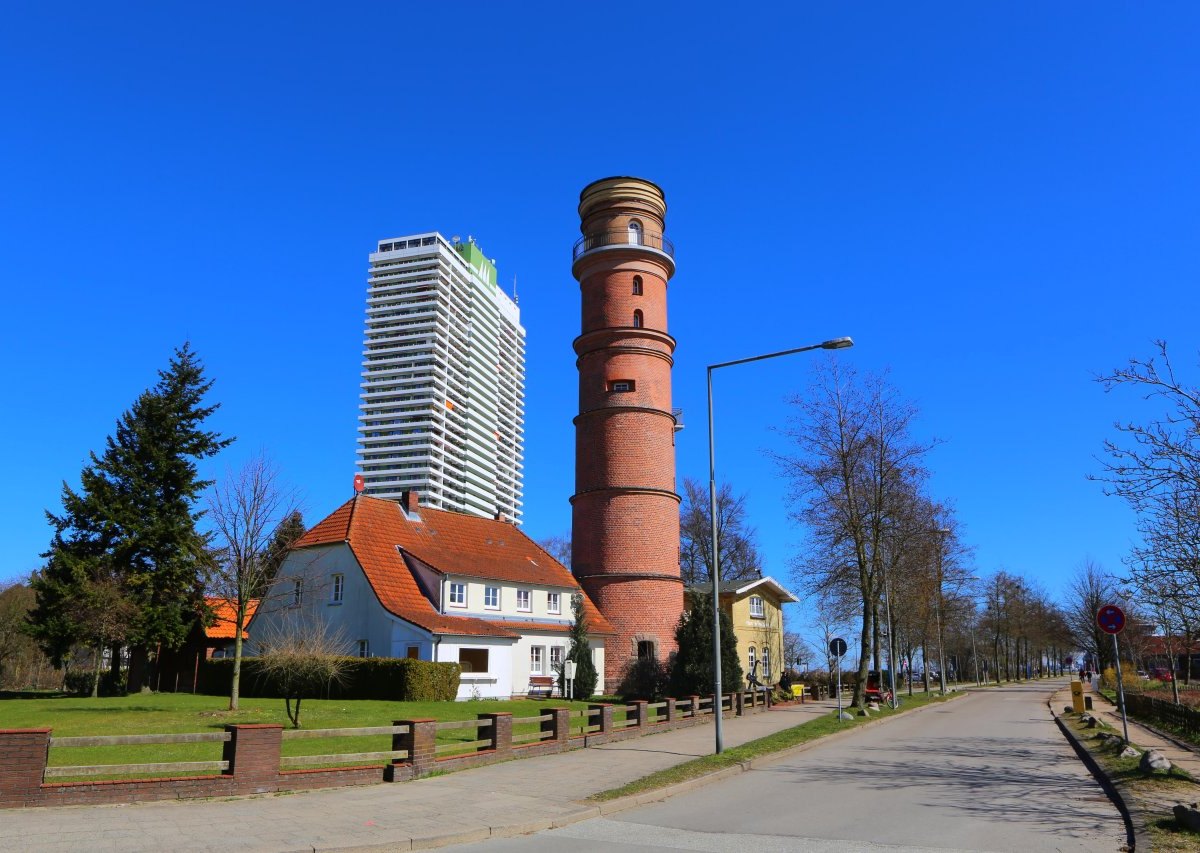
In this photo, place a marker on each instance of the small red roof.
(452, 543)
(225, 617)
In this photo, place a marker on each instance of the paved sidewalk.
(517, 796)
(1138, 734)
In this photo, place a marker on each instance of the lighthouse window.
(637, 319)
(637, 285)
(621, 385)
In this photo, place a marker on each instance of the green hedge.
(389, 679)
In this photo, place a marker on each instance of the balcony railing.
(621, 237)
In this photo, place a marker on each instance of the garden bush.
(389, 679)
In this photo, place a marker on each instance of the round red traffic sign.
(1111, 619)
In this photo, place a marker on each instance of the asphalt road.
(988, 772)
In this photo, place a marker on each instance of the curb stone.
(1135, 831)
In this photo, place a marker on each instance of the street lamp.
(942, 533)
(835, 343)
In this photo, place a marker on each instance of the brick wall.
(253, 753)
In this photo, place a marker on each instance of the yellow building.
(755, 607)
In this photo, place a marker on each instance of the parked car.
(1160, 673)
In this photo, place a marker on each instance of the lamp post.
(942, 533)
(835, 343)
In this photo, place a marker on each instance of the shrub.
(389, 679)
(79, 683)
(644, 678)
(1130, 680)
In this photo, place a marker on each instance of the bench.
(541, 686)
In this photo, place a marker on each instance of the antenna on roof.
(516, 299)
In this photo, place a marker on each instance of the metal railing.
(621, 237)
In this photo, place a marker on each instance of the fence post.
(640, 713)
(606, 718)
(421, 744)
(23, 754)
(669, 710)
(500, 734)
(739, 703)
(253, 755)
(695, 700)
(558, 726)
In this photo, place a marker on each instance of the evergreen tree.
(692, 672)
(580, 651)
(132, 524)
(288, 531)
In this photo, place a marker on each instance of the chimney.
(408, 500)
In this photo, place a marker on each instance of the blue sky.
(996, 203)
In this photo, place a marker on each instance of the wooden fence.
(1177, 718)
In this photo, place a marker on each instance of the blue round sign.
(1111, 619)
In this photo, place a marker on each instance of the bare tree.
(856, 465)
(246, 510)
(302, 657)
(558, 547)
(1155, 468)
(1090, 589)
(736, 539)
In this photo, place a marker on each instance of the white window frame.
(458, 590)
(553, 602)
(537, 659)
(750, 658)
(766, 665)
(557, 655)
(364, 648)
(758, 608)
(337, 591)
(526, 596)
(491, 598)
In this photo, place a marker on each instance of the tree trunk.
(235, 687)
(96, 672)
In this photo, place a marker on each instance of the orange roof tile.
(449, 542)
(225, 617)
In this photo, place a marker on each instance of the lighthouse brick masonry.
(625, 518)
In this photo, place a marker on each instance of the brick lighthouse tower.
(625, 511)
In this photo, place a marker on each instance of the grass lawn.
(803, 733)
(161, 713)
(1150, 795)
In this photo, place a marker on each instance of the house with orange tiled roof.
(178, 669)
(397, 579)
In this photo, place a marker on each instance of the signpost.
(1111, 620)
(569, 679)
(837, 648)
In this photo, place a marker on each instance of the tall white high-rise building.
(443, 390)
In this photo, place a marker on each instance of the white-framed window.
(337, 588)
(536, 659)
(458, 594)
(364, 649)
(637, 285)
(556, 658)
(524, 600)
(757, 610)
(766, 665)
(491, 597)
(750, 659)
(297, 592)
(553, 602)
(638, 319)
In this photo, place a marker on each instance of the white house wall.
(358, 616)
(497, 682)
